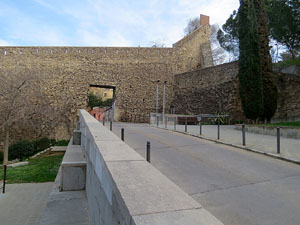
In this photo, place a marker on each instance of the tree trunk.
(6, 143)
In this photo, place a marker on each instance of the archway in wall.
(101, 101)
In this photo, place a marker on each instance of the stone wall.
(209, 90)
(215, 89)
(288, 107)
(66, 73)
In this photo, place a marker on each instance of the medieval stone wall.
(66, 73)
(288, 107)
(215, 89)
(209, 90)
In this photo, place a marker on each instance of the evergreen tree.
(269, 87)
(250, 76)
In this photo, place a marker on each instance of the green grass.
(62, 143)
(42, 169)
(282, 124)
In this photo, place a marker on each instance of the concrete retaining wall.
(289, 132)
(122, 188)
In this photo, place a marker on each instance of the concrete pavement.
(236, 186)
(289, 147)
(22, 204)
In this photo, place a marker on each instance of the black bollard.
(157, 123)
(218, 129)
(278, 140)
(185, 128)
(243, 134)
(175, 123)
(4, 178)
(103, 121)
(148, 152)
(200, 124)
(122, 134)
(110, 125)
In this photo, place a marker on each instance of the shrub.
(20, 150)
(41, 144)
(62, 143)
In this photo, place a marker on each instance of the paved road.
(22, 204)
(238, 187)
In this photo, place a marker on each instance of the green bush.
(41, 144)
(20, 150)
(62, 143)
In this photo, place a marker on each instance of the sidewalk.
(290, 148)
(22, 204)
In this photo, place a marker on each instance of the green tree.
(228, 36)
(94, 101)
(283, 18)
(284, 23)
(269, 87)
(250, 77)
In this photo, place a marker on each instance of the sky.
(117, 23)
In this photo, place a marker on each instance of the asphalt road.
(238, 187)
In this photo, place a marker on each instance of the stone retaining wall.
(122, 188)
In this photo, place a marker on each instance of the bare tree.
(160, 43)
(192, 25)
(22, 104)
(218, 53)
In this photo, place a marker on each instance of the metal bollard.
(157, 123)
(243, 134)
(278, 140)
(218, 129)
(148, 152)
(110, 125)
(166, 122)
(4, 178)
(103, 121)
(200, 124)
(175, 123)
(185, 129)
(122, 134)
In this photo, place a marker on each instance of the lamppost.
(164, 101)
(156, 108)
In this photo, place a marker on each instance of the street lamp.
(156, 108)
(164, 101)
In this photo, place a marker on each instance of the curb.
(235, 146)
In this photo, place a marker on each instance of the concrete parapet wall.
(122, 188)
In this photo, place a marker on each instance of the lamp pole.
(156, 108)
(164, 101)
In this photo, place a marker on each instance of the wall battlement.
(9, 51)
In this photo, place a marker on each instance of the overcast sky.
(103, 22)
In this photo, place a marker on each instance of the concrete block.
(185, 217)
(58, 148)
(73, 169)
(77, 137)
(73, 178)
(18, 164)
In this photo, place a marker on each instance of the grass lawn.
(283, 124)
(41, 169)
